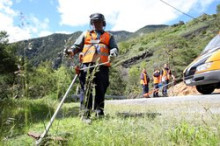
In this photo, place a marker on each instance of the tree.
(117, 84)
(133, 88)
(7, 66)
(7, 61)
(42, 81)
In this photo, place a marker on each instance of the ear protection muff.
(104, 23)
(97, 16)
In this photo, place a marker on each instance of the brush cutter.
(61, 103)
(55, 113)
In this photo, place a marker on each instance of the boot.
(85, 116)
(99, 113)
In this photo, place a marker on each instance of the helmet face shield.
(95, 21)
(97, 17)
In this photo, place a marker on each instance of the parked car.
(204, 71)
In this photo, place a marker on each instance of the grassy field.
(123, 125)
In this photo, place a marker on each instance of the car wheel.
(205, 89)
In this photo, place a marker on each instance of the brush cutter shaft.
(55, 114)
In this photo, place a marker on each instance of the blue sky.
(25, 19)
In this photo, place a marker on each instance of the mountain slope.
(51, 47)
(153, 45)
(148, 29)
(177, 45)
(45, 48)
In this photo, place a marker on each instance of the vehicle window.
(213, 44)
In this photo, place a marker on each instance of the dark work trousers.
(156, 90)
(101, 81)
(165, 87)
(145, 88)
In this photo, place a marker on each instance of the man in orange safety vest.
(95, 45)
(145, 82)
(166, 75)
(156, 81)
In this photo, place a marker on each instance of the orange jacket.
(144, 79)
(166, 74)
(156, 77)
(96, 48)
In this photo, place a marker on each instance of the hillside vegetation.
(176, 45)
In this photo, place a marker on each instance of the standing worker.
(166, 74)
(145, 82)
(95, 45)
(156, 81)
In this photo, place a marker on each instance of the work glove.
(77, 70)
(113, 54)
(68, 52)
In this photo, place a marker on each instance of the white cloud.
(127, 15)
(17, 34)
(40, 25)
(28, 27)
(45, 33)
(6, 15)
(64, 32)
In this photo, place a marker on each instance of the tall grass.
(16, 116)
(186, 134)
(127, 125)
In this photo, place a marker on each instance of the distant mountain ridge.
(149, 29)
(51, 47)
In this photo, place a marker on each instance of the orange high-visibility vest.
(96, 49)
(166, 74)
(144, 81)
(157, 79)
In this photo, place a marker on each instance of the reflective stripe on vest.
(96, 49)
